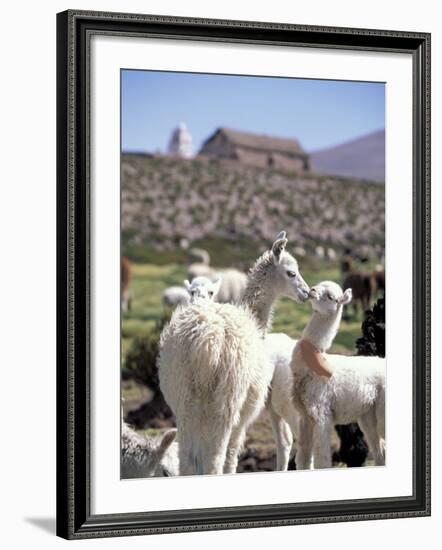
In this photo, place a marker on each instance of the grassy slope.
(231, 210)
(148, 285)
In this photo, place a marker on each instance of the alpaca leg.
(185, 451)
(253, 405)
(305, 445)
(284, 439)
(367, 422)
(213, 454)
(234, 448)
(191, 444)
(380, 414)
(322, 443)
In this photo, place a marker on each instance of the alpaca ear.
(187, 284)
(346, 297)
(278, 246)
(167, 441)
(216, 285)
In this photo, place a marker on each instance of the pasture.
(149, 282)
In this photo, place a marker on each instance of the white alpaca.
(213, 366)
(354, 393)
(203, 288)
(233, 285)
(200, 287)
(198, 255)
(331, 254)
(199, 269)
(175, 296)
(283, 415)
(319, 252)
(148, 456)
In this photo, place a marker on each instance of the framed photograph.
(243, 284)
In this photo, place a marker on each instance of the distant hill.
(362, 158)
(165, 199)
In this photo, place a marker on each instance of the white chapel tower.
(180, 143)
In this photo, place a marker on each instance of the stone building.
(257, 150)
(180, 143)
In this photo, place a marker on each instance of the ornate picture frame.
(74, 32)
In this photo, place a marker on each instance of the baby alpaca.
(354, 393)
(202, 288)
(148, 456)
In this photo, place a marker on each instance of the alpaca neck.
(322, 329)
(262, 309)
(260, 294)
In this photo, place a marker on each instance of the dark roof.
(264, 142)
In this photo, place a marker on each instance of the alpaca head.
(287, 280)
(328, 298)
(202, 288)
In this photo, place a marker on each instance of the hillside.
(362, 158)
(166, 199)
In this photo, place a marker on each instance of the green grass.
(150, 281)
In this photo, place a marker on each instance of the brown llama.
(363, 285)
(379, 279)
(126, 279)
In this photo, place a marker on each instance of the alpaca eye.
(330, 297)
(291, 274)
(210, 293)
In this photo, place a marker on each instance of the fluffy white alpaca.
(354, 393)
(213, 366)
(200, 287)
(233, 285)
(175, 296)
(148, 456)
(203, 288)
(199, 270)
(280, 347)
(198, 255)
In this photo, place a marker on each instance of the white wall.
(27, 215)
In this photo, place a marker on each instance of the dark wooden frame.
(74, 29)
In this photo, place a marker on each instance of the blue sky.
(320, 113)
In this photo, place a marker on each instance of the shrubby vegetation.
(212, 202)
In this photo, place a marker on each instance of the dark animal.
(126, 279)
(353, 450)
(379, 279)
(363, 285)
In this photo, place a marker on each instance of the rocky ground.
(166, 199)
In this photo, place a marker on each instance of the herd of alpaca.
(219, 367)
(200, 287)
(214, 367)
(233, 281)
